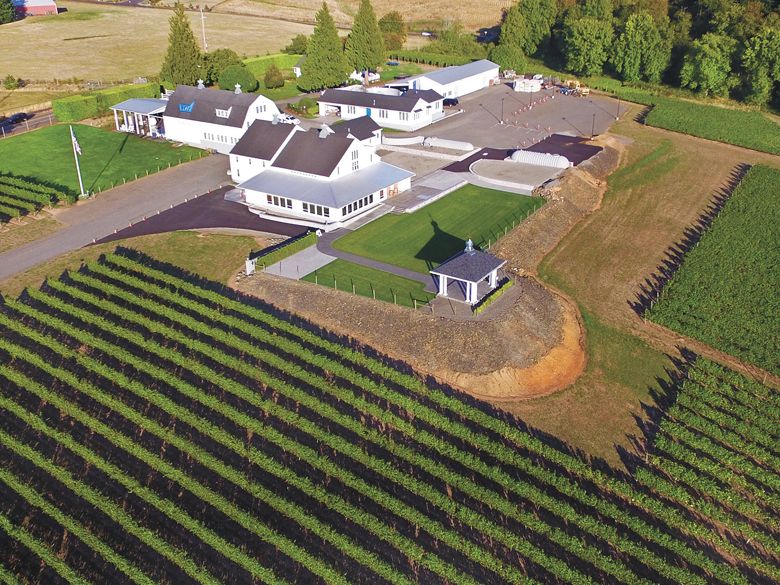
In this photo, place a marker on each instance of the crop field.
(725, 292)
(19, 196)
(750, 129)
(95, 41)
(158, 428)
(371, 283)
(424, 239)
(108, 158)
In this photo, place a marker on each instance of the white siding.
(408, 121)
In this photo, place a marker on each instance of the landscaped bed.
(422, 240)
(108, 158)
(370, 282)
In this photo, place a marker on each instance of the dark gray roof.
(306, 152)
(405, 102)
(205, 102)
(263, 139)
(471, 266)
(361, 128)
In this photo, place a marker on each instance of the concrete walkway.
(300, 264)
(325, 245)
(116, 209)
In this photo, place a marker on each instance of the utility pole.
(203, 29)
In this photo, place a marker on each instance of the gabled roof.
(306, 152)
(405, 102)
(263, 139)
(361, 128)
(458, 72)
(333, 193)
(201, 105)
(471, 266)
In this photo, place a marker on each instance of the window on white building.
(355, 165)
(404, 116)
(223, 113)
(350, 109)
(383, 113)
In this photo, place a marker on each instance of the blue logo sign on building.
(187, 108)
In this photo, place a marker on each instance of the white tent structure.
(540, 159)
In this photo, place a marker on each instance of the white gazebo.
(142, 116)
(472, 269)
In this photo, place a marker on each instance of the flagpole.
(76, 158)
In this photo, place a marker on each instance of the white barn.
(317, 178)
(213, 118)
(456, 81)
(389, 108)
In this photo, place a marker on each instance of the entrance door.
(368, 112)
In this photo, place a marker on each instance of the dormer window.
(223, 113)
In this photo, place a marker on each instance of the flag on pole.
(76, 146)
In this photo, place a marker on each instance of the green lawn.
(259, 65)
(424, 239)
(371, 283)
(389, 73)
(287, 91)
(107, 157)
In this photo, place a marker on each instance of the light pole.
(530, 95)
(593, 126)
(617, 115)
(502, 110)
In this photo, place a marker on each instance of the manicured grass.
(389, 73)
(287, 91)
(107, 158)
(725, 292)
(371, 283)
(424, 239)
(259, 65)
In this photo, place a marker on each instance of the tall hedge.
(75, 108)
(436, 59)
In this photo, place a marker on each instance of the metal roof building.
(456, 81)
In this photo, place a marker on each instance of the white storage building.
(389, 108)
(456, 81)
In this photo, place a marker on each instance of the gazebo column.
(472, 288)
(493, 279)
(442, 285)
(116, 120)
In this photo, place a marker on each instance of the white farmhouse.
(456, 81)
(389, 108)
(318, 178)
(213, 118)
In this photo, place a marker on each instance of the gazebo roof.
(469, 266)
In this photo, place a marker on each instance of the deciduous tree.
(297, 45)
(640, 52)
(325, 64)
(586, 44)
(365, 47)
(183, 59)
(509, 53)
(761, 62)
(238, 74)
(393, 30)
(598, 9)
(216, 62)
(539, 17)
(707, 66)
(7, 11)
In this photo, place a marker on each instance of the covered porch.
(141, 116)
(468, 276)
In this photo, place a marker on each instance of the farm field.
(107, 157)
(371, 283)
(19, 196)
(90, 41)
(269, 453)
(423, 239)
(750, 129)
(725, 292)
(13, 101)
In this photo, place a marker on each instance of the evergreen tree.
(325, 64)
(640, 52)
(365, 47)
(539, 17)
(509, 53)
(761, 62)
(393, 30)
(707, 66)
(182, 61)
(7, 12)
(297, 45)
(586, 44)
(598, 9)
(238, 74)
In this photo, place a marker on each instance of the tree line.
(712, 47)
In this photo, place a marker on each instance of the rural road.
(116, 209)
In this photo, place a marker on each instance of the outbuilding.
(473, 272)
(389, 108)
(456, 81)
(141, 116)
(34, 7)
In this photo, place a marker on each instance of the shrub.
(216, 62)
(75, 107)
(435, 59)
(238, 74)
(297, 45)
(11, 82)
(273, 77)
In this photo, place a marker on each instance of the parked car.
(450, 102)
(288, 119)
(14, 119)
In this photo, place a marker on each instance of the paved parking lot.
(550, 113)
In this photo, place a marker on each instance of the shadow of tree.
(652, 287)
